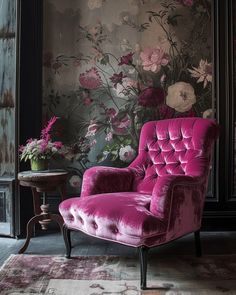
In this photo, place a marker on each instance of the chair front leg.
(143, 254)
(67, 240)
(198, 248)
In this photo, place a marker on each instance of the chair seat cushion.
(123, 217)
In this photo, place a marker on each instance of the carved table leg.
(29, 230)
(39, 218)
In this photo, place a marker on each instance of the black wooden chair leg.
(143, 251)
(198, 248)
(67, 240)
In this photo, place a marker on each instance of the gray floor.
(51, 243)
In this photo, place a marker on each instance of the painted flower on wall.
(153, 59)
(203, 73)
(151, 97)
(208, 114)
(90, 79)
(109, 136)
(110, 112)
(127, 153)
(126, 59)
(75, 181)
(120, 124)
(92, 129)
(181, 97)
(117, 79)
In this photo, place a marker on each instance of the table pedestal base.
(42, 183)
(44, 217)
(44, 223)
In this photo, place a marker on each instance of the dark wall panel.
(7, 86)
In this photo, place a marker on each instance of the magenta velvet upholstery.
(159, 197)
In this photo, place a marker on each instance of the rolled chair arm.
(100, 179)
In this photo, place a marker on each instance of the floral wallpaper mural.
(110, 66)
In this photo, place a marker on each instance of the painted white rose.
(54, 149)
(75, 181)
(180, 97)
(127, 153)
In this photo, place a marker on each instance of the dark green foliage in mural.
(127, 64)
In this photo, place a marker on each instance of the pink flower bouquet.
(43, 148)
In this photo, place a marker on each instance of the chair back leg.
(143, 254)
(67, 240)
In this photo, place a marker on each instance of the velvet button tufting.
(71, 218)
(114, 229)
(81, 220)
(95, 225)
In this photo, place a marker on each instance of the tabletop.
(41, 175)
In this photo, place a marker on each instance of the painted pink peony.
(90, 79)
(153, 59)
(151, 97)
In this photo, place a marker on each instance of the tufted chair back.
(179, 146)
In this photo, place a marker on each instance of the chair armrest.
(179, 202)
(100, 179)
(164, 191)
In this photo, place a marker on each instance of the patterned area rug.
(103, 275)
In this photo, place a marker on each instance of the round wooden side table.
(42, 182)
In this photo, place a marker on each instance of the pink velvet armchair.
(157, 199)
